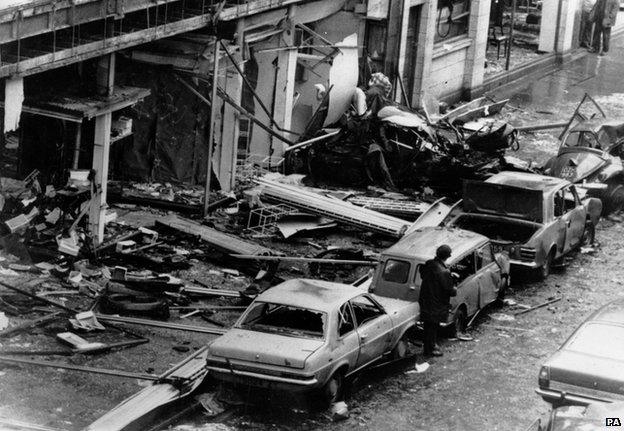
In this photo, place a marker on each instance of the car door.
(374, 329)
(467, 285)
(573, 217)
(347, 339)
(488, 275)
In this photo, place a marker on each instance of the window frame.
(452, 21)
(375, 304)
(350, 311)
(407, 276)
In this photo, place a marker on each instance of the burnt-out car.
(587, 368)
(590, 154)
(536, 219)
(309, 335)
(482, 275)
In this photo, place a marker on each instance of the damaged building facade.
(124, 88)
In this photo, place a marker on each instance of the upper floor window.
(452, 20)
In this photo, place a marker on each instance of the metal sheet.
(343, 79)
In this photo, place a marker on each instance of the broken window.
(465, 267)
(484, 256)
(284, 319)
(582, 139)
(396, 271)
(565, 200)
(452, 20)
(365, 309)
(345, 320)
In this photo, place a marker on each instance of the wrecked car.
(587, 368)
(590, 153)
(536, 219)
(309, 335)
(482, 275)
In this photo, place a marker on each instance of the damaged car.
(587, 368)
(310, 335)
(482, 275)
(536, 219)
(590, 154)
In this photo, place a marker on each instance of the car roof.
(311, 294)
(528, 181)
(422, 243)
(612, 313)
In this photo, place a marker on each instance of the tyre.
(332, 391)
(460, 321)
(400, 350)
(613, 199)
(544, 270)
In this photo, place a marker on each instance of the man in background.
(586, 23)
(604, 14)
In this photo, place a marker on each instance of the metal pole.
(213, 118)
(78, 140)
(511, 33)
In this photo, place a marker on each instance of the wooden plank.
(222, 241)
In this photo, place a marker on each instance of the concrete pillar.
(478, 33)
(285, 85)
(422, 68)
(101, 150)
(229, 138)
(549, 33)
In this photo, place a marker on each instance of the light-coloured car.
(483, 274)
(536, 219)
(587, 368)
(304, 335)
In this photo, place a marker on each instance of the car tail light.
(527, 253)
(544, 377)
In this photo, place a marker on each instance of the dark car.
(589, 366)
(591, 154)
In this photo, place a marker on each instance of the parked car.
(587, 368)
(483, 275)
(536, 219)
(594, 417)
(590, 154)
(304, 335)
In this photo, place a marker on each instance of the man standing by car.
(604, 16)
(436, 289)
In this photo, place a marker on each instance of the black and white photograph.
(319, 215)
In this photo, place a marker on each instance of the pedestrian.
(604, 14)
(586, 23)
(436, 289)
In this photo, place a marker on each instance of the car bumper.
(263, 380)
(524, 263)
(563, 398)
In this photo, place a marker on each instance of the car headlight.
(544, 377)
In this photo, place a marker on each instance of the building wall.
(448, 67)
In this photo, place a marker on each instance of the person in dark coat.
(436, 289)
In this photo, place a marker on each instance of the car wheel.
(460, 321)
(544, 270)
(613, 198)
(332, 391)
(589, 234)
(400, 350)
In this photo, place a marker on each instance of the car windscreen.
(285, 320)
(582, 139)
(598, 339)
